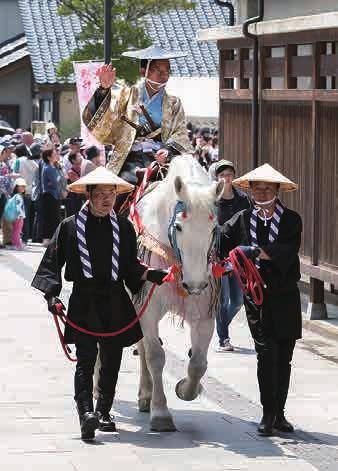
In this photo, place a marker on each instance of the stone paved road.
(39, 428)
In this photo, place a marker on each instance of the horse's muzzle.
(195, 289)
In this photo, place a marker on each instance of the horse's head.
(193, 222)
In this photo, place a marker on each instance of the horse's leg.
(160, 417)
(190, 387)
(146, 383)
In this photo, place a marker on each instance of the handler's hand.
(161, 156)
(250, 251)
(106, 75)
(52, 302)
(264, 256)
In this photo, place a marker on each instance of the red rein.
(249, 279)
(65, 320)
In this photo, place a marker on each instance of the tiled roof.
(13, 50)
(178, 29)
(51, 37)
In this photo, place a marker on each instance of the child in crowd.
(15, 212)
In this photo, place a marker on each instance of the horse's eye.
(178, 227)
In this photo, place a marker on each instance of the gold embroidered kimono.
(105, 123)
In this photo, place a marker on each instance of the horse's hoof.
(185, 395)
(144, 405)
(162, 424)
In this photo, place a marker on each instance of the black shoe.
(89, 422)
(103, 406)
(106, 422)
(283, 425)
(265, 428)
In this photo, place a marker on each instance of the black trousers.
(27, 225)
(73, 203)
(273, 372)
(51, 215)
(133, 161)
(3, 200)
(37, 221)
(274, 356)
(110, 356)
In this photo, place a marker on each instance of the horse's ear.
(219, 187)
(180, 187)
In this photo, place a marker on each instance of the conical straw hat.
(100, 176)
(265, 173)
(154, 53)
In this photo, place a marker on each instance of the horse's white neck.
(157, 214)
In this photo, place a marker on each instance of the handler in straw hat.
(158, 134)
(277, 324)
(99, 251)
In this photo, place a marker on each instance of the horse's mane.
(157, 206)
(188, 168)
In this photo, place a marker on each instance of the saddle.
(158, 173)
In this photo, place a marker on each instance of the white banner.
(86, 84)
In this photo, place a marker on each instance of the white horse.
(193, 297)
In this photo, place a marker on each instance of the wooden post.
(316, 307)
(243, 54)
(56, 107)
(228, 54)
(263, 83)
(317, 50)
(335, 77)
(221, 114)
(290, 51)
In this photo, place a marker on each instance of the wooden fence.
(298, 77)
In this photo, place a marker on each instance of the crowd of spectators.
(205, 144)
(34, 174)
(39, 168)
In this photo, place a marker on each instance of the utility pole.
(107, 31)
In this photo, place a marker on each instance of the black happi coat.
(280, 315)
(98, 304)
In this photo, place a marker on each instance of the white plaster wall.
(69, 114)
(10, 20)
(275, 9)
(199, 96)
(15, 89)
(287, 8)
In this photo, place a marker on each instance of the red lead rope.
(249, 279)
(65, 320)
(133, 213)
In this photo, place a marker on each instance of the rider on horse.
(142, 122)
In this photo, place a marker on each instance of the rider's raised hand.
(106, 75)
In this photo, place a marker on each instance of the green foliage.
(128, 30)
